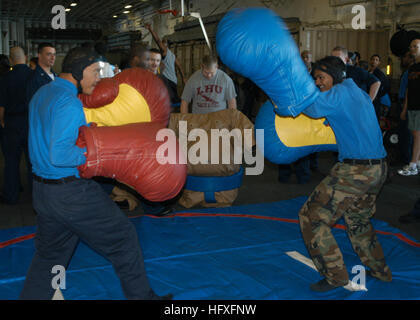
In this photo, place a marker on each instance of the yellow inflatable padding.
(303, 131)
(128, 107)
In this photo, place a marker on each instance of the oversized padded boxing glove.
(105, 92)
(255, 43)
(134, 95)
(287, 139)
(132, 155)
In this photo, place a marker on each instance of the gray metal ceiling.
(93, 11)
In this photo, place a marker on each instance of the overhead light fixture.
(128, 6)
(127, 11)
(115, 16)
(73, 4)
(67, 9)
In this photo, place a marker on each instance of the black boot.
(168, 296)
(370, 274)
(323, 286)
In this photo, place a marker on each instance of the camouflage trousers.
(349, 191)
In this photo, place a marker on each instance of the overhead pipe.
(406, 3)
(198, 16)
(333, 3)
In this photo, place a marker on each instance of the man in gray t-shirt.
(209, 88)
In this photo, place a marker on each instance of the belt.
(55, 181)
(363, 161)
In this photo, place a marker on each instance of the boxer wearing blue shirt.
(351, 188)
(70, 209)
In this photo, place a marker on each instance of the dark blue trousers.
(405, 138)
(81, 210)
(15, 143)
(405, 143)
(302, 170)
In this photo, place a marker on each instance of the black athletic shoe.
(164, 212)
(323, 286)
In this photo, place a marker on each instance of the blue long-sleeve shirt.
(55, 116)
(351, 114)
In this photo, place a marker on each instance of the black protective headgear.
(334, 66)
(76, 60)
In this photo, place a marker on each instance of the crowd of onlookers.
(209, 89)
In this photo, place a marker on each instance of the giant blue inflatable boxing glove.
(255, 43)
(287, 139)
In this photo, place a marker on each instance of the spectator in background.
(155, 60)
(15, 125)
(170, 64)
(405, 138)
(351, 58)
(4, 68)
(251, 92)
(363, 79)
(384, 89)
(357, 59)
(4, 65)
(33, 63)
(139, 57)
(307, 59)
(411, 109)
(364, 65)
(43, 72)
(209, 88)
(155, 63)
(301, 168)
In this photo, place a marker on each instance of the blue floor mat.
(234, 253)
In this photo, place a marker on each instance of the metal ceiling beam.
(87, 11)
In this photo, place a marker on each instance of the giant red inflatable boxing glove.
(132, 96)
(131, 154)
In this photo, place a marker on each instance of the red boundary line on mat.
(16, 240)
(231, 215)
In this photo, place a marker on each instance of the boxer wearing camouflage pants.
(351, 188)
(349, 191)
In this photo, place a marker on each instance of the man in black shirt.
(385, 87)
(43, 73)
(411, 109)
(14, 120)
(363, 79)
